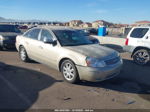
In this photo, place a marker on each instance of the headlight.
(1, 38)
(92, 62)
(115, 54)
(118, 54)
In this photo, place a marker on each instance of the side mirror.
(95, 41)
(49, 41)
(148, 37)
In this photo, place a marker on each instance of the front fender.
(77, 59)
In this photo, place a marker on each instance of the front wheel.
(141, 57)
(23, 54)
(69, 72)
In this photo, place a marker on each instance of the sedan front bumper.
(8, 44)
(99, 74)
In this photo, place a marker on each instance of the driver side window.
(46, 34)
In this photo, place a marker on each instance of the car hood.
(95, 51)
(8, 34)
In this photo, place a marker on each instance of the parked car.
(138, 44)
(82, 32)
(92, 31)
(8, 35)
(69, 52)
(23, 27)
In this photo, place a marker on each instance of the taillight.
(127, 41)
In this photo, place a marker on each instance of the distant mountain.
(6, 20)
(2, 19)
(12, 20)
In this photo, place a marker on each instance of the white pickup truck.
(138, 43)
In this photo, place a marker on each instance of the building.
(142, 23)
(98, 23)
(133, 25)
(121, 25)
(75, 23)
(86, 25)
(66, 24)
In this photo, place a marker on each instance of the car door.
(31, 43)
(146, 40)
(48, 52)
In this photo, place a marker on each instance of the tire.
(23, 54)
(69, 72)
(141, 57)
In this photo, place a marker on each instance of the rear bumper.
(99, 74)
(128, 48)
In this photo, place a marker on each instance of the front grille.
(112, 61)
(11, 37)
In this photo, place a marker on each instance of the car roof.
(4, 24)
(55, 27)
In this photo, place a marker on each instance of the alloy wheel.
(68, 71)
(141, 57)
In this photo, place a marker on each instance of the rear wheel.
(23, 54)
(141, 57)
(69, 72)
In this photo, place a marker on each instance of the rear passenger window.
(33, 34)
(139, 32)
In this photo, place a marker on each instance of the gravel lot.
(36, 86)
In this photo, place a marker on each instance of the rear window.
(33, 34)
(139, 32)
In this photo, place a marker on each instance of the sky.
(116, 11)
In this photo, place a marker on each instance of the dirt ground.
(36, 86)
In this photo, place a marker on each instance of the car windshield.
(9, 28)
(71, 38)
